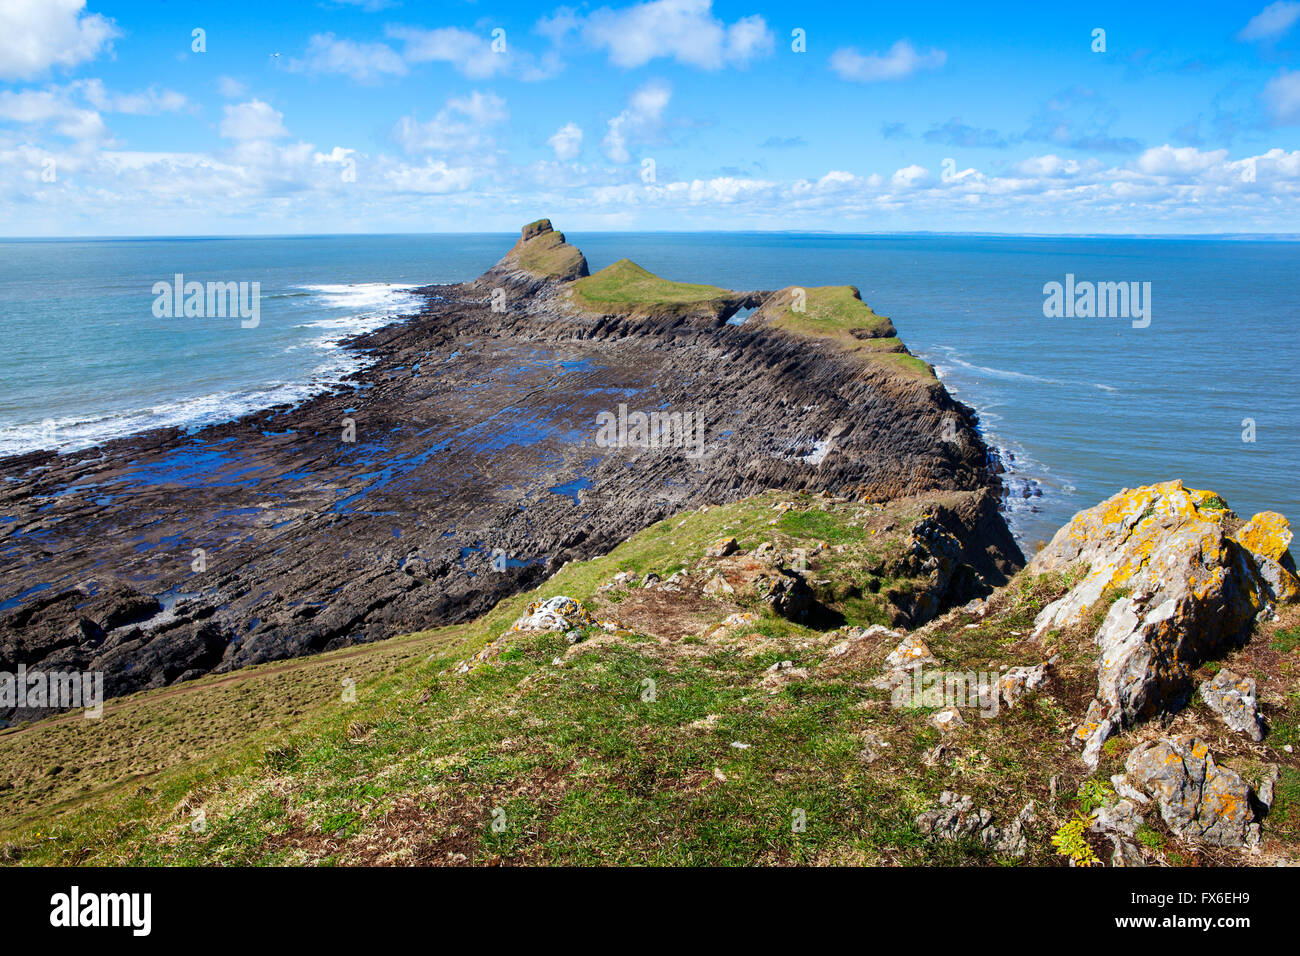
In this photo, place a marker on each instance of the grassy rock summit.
(541, 251)
(813, 642)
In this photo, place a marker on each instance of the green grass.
(1286, 639)
(574, 760)
(626, 287)
(835, 311)
(549, 255)
(838, 314)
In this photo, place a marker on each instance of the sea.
(1199, 383)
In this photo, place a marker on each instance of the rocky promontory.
(535, 416)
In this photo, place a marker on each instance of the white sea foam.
(376, 304)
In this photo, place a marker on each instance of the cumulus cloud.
(254, 120)
(460, 126)
(52, 110)
(682, 30)
(567, 141)
(1271, 22)
(909, 176)
(38, 34)
(299, 185)
(901, 60)
(639, 122)
(1179, 161)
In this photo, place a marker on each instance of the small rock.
(717, 586)
(1198, 799)
(1125, 853)
(957, 817)
(722, 548)
(1121, 817)
(705, 723)
(934, 756)
(911, 653)
(1232, 697)
(872, 748)
(1016, 682)
(947, 720)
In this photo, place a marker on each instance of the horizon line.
(1246, 236)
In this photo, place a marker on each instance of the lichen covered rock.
(1198, 799)
(1185, 587)
(1232, 697)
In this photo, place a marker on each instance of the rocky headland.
(466, 463)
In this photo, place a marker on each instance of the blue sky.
(374, 116)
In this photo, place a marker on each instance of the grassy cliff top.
(741, 725)
(837, 313)
(626, 287)
(549, 255)
(831, 311)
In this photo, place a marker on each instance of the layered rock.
(477, 470)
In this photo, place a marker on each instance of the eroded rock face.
(1189, 587)
(1197, 798)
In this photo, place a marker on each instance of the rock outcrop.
(1232, 697)
(957, 818)
(1185, 582)
(1198, 799)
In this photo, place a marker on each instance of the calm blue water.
(1085, 406)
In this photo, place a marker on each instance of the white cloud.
(909, 176)
(460, 126)
(469, 53)
(38, 34)
(901, 60)
(641, 120)
(253, 120)
(567, 141)
(363, 62)
(53, 110)
(1282, 94)
(434, 177)
(1271, 22)
(681, 30)
(146, 103)
(1179, 161)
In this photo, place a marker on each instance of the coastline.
(274, 536)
